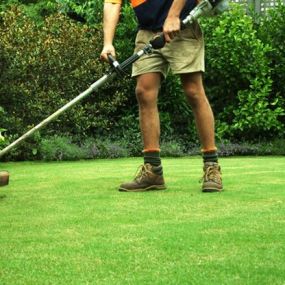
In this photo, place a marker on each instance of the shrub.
(37, 10)
(104, 149)
(230, 149)
(177, 120)
(64, 148)
(271, 30)
(128, 132)
(238, 78)
(171, 149)
(83, 11)
(45, 67)
(275, 147)
(26, 150)
(2, 138)
(60, 148)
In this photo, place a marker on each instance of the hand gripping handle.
(115, 65)
(159, 40)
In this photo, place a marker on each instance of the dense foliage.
(239, 78)
(49, 53)
(43, 67)
(272, 30)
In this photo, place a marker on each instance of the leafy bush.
(83, 10)
(60, 148)
(37, 10)
(238, 78)
(63, 148)
(45, 67)
(105, 149)
(271, 30)
(177, 120)
(127, 130)
(2, 138)
(230, 149)
(275, 147)
(26, 150)
(171, 149)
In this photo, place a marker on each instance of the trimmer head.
(4, 178)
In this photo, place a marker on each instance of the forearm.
(111, 18)
(172, 23)
(176, 8)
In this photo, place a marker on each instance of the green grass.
(66, 223)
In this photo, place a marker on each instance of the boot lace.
(142, 172)
(212, 173)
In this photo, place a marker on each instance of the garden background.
(49, 53)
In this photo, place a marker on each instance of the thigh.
(151, 63)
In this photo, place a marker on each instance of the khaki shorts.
(184, 54)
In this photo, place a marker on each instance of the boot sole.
(212, 190)
(150, 188)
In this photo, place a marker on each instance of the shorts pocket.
(192, 32)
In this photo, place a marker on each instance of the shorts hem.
(135, 74)
(188, 71)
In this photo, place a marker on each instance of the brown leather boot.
(145, 180)
(212, 179)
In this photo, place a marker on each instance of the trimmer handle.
(115, 65)
(159, 41)
(111, 59)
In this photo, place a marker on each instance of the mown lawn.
(66, 223)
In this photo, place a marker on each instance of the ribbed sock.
(210, 156)
(153, 158)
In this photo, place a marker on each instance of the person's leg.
(148, 71)
(147, 92)
(204, 119)
(151, 175)
(193, 87)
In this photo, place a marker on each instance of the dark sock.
(153, 158)
(211, 156)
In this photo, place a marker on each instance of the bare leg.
(150, 176)
(195, 93)
(147, 92)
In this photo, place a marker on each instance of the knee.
(195, 94)
(146, 96)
